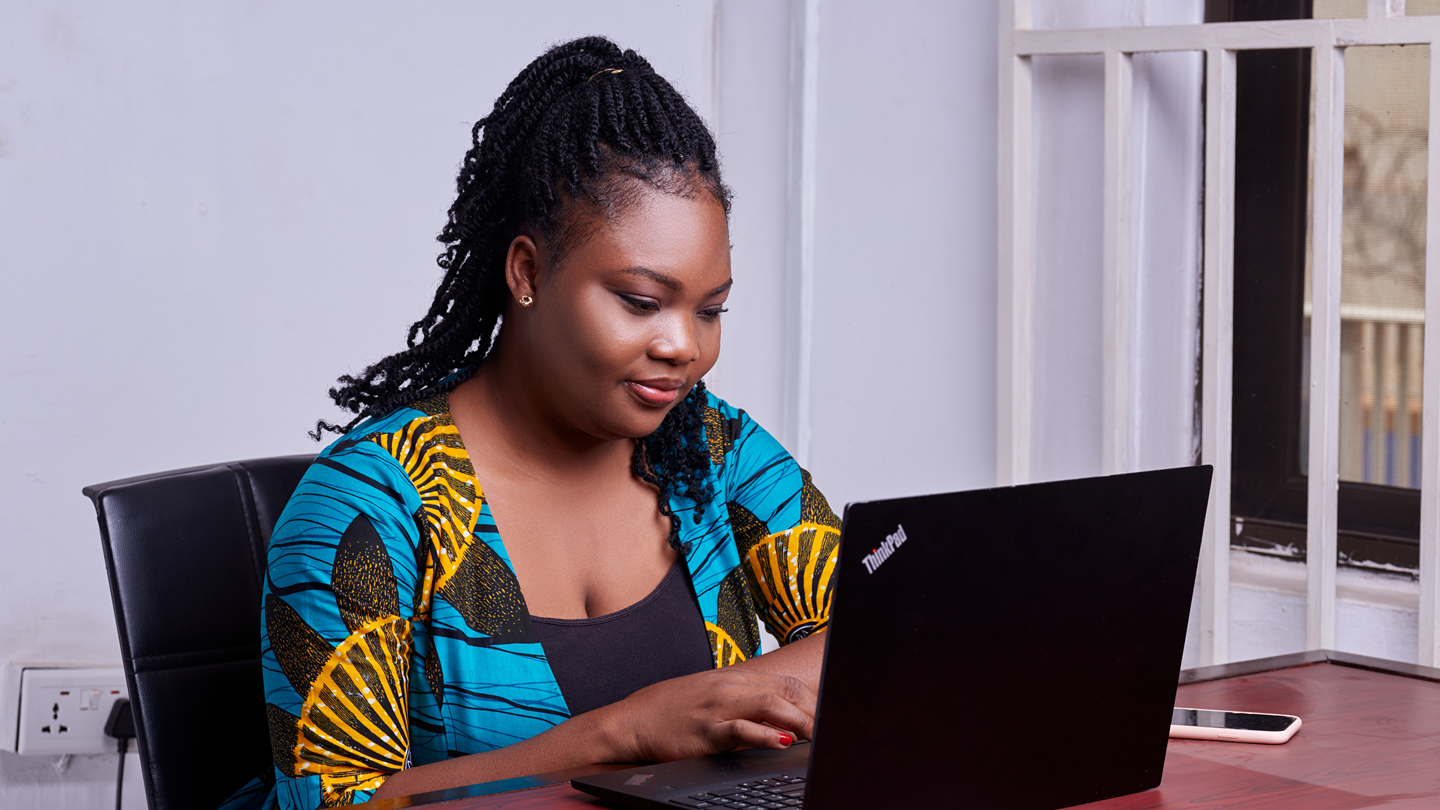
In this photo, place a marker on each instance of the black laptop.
(1016, 647)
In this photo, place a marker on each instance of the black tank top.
(600, 660)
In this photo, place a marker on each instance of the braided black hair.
(584, 125)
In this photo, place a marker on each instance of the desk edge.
(1309, 657)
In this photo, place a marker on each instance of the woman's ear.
(522, 268)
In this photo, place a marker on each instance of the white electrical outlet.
(59, 710)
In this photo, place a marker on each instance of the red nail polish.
(785, 739)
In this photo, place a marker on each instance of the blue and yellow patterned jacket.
(395, 632)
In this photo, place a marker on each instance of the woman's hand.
(740, 706)
(708, 713)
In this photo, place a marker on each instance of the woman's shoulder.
(382, 454)
(734, 434)
(717, 409)
(431, 409)
(716, 403)
(765, 489)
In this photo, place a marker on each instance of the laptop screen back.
(1014, 647)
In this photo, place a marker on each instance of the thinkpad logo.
(882, 552)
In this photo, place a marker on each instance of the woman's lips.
(655, 392)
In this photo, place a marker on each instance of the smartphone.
(1251, 727)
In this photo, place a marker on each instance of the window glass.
(1383, 263)
(1383, 254)
(1336, 9)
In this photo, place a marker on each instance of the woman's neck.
(501, 409)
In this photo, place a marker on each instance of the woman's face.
(628, 323)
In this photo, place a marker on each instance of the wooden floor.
(1369, 739)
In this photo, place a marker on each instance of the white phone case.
(1237, 734)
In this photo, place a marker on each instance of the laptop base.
(723, 781)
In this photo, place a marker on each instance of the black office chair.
(185, 551)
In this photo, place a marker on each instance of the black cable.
(120, 745)
(121, 726)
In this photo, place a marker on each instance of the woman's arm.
(340, 568)
(787, 538)
(578, 741)
(705, 713)
(800, 660)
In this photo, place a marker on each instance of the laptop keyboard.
(772, 794)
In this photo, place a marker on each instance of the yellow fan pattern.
(350, 733)
(435, 460)
(724, 648)
(792, 571)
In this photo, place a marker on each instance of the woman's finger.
(748, 734)
(769, 707)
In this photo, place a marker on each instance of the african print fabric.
(394, 629)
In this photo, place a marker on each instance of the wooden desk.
(1371, 738)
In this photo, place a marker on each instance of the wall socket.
(51, 710)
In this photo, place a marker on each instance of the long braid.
(577, 125)
(676, 456)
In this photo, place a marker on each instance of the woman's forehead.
(667, 233)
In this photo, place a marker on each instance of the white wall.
(752, 125)
(1376, 614)
(1069, 156)
(905, 249)
(904, 284)
(1069, 165)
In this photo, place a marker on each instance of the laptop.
(1015, 647)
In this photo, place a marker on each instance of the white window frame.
(1385, 24)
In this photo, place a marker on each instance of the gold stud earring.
(526, 301)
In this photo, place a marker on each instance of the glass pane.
(1382, 307)
(1422, 8)
(1336, 9)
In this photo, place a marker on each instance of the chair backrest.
(185, 552)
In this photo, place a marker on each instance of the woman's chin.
(638, 423)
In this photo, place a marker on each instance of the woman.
(552, 395)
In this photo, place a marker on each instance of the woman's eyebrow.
(670, 282)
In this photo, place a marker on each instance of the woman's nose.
(675, 341)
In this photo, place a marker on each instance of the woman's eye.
(639, 304)
(712, 313)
